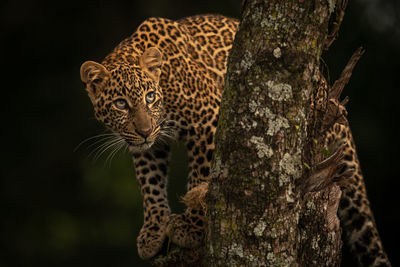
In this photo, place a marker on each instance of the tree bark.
(259, 213)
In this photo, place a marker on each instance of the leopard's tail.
(356, 217)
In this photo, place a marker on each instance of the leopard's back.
(211, 40)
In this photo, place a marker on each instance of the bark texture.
(258, 214)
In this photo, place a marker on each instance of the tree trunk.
(258, 211)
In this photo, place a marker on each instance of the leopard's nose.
(144, 132)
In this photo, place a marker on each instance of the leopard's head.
(127, 97)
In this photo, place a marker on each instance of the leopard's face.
(128, 100)
(132, 106)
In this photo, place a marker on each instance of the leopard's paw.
(186, 231)
(150, 240)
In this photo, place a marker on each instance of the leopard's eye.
(150, 97)
(121, 104)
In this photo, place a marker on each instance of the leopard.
(163, 84)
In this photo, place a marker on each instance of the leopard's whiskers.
(112, 142)
(100, 136)
(117, 147)
(103, 143)
(108, 145)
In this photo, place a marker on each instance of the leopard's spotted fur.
(166, 80)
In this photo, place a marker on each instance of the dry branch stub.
(337, 88)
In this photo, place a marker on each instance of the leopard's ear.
(151, 61)
(95, 76)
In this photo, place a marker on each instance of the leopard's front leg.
(188, 229)
(151, 174)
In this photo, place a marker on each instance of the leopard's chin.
(141, 147)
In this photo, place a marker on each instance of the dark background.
(63, 208)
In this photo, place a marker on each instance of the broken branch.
(344, 78)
